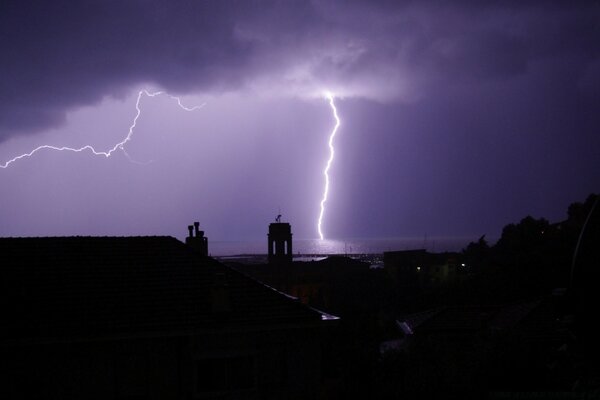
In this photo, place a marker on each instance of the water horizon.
(345, 246)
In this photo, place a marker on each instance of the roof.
(450, 319)
(532, 319)
(72, 287)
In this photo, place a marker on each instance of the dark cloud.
(60, 54)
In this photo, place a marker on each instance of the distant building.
(326, 284)
(421, 268)
(280, 242)
(147, 318)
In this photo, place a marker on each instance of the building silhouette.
(419, 268)
(280, 242)
(196, 239)
(148, 318)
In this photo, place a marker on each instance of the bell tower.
(280, 242)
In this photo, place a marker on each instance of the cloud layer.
(60, 55)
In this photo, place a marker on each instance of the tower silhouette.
(280, 241)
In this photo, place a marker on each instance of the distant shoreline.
(303, 248)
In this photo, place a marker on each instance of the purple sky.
(456, 118)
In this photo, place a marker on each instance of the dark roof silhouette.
(451, 319)
(531, 319)
(64, 288)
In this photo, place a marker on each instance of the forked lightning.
(118, 146)
(329, 161)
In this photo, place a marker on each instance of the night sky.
(457, 118)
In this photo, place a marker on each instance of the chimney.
(196, 240)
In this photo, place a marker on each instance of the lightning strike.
(119, 146)
(330, 97)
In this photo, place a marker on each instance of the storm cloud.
(59, 55)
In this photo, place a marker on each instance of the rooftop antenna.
(278, 219)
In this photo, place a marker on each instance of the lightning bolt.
(119, 146)
(330, 97)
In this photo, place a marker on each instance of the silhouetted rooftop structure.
(94, 286)
(534, 319)
(280, 242)
(196, 239)
(147, 317)
(422, 268)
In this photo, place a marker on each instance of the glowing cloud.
(329, 161)
(118, 146)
